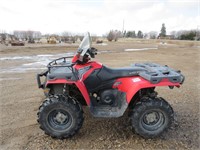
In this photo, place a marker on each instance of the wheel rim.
(153, 120)
(59, 120)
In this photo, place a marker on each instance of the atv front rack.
(155, 73)
(55, 63)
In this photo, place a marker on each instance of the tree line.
(27, 35)
(113, 35)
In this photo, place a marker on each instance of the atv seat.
(110, 73)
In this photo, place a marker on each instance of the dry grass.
(158, 41)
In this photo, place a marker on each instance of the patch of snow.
(37, 62)
(2, 79)
(139, 49)
(163, 43)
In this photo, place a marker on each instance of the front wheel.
(60, 117)
(151, 117)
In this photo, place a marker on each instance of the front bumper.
(39, 75)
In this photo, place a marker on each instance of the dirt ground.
(20, 98)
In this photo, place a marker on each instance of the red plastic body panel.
(131, 85)
(59, 81)
(80, 85)
(75, 58)
(84, 92)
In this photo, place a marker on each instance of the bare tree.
(37, 35)
(153, 34)
(110, 35)
(3, 36)
(118, 34)
(94, 38)
(65, 36)
(27, 35)
(114, 35)
(173, 34)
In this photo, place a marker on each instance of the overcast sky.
(98, 16)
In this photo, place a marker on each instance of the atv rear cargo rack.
(155, 73)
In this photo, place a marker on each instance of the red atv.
(106, 91)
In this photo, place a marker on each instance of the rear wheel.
(151, 117)
(60, 117)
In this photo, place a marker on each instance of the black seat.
(108, 73)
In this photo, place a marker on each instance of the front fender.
(132, 85)
(80, 85)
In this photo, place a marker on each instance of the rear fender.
(132, 85)
(80, 85)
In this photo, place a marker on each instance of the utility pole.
(123, 28)
(197, 32)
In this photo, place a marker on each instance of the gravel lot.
(20, 98)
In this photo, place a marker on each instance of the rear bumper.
(38, 77)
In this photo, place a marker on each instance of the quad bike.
(69, 85)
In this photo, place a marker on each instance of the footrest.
(106, 111)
